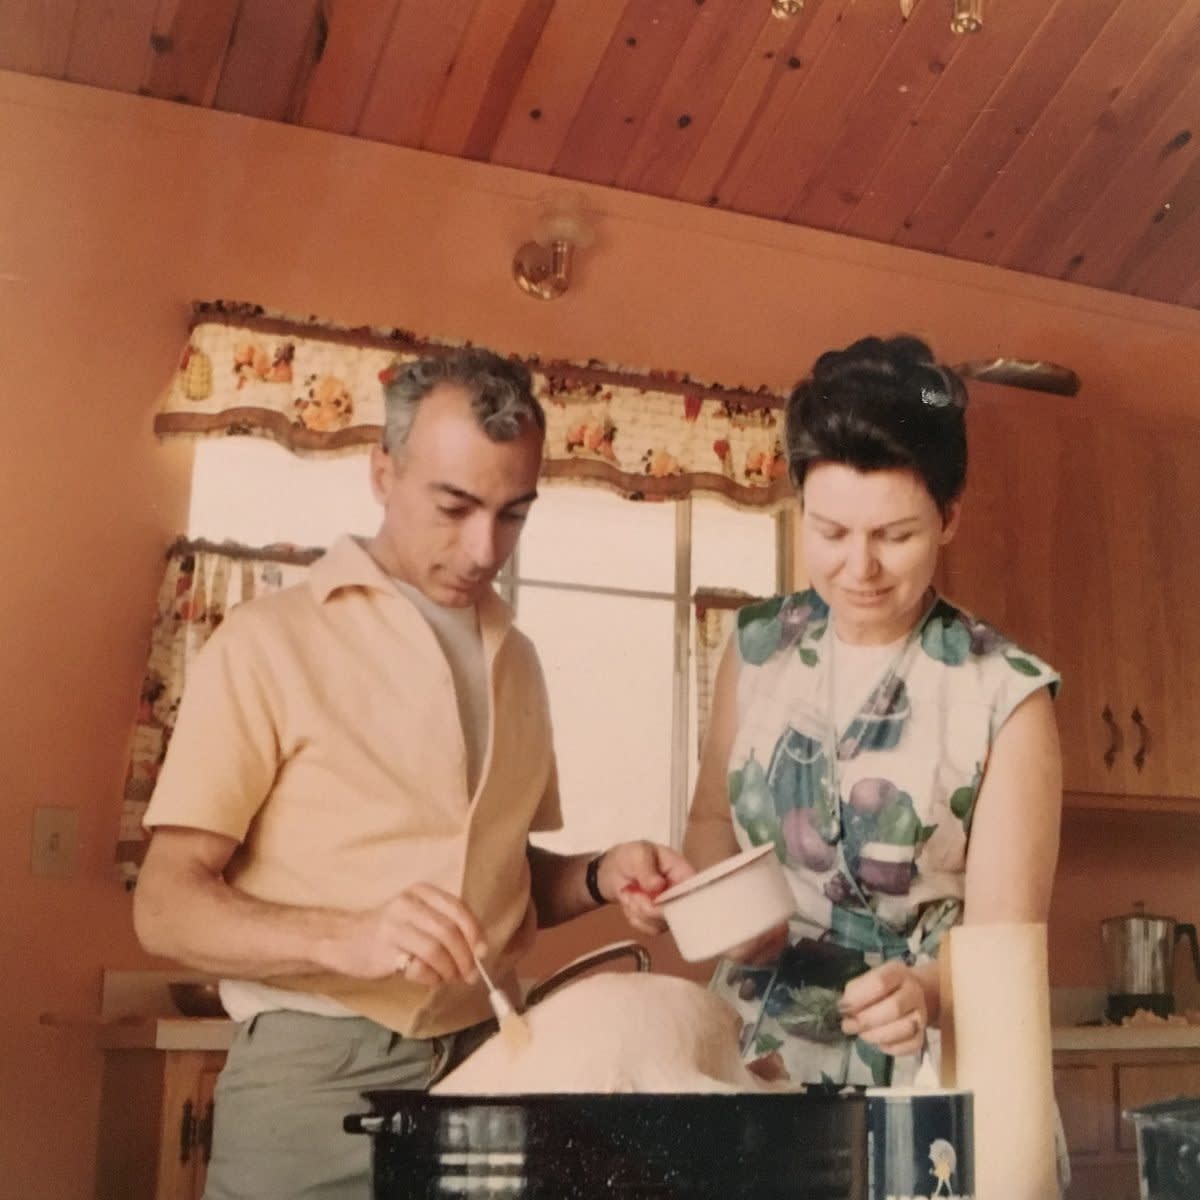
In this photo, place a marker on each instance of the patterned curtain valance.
(314, 386)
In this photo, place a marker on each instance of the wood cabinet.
(1077, 540)
(156, 1113)
(1094, 1088)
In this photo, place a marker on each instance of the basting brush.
(514, 1029)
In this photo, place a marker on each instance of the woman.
(901, 755)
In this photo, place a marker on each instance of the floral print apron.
(870, 821)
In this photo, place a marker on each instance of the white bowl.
(727, 904)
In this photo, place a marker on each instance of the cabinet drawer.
(1144, 1083)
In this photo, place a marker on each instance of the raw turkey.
(614, 1033)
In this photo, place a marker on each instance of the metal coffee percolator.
(1139, 959)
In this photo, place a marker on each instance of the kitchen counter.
(167, 1033)
(1122, 1037)
(194, 1033)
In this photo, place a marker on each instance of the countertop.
(193, 1033)
(1122, 1037)
(160, 1028)
(167, 1033)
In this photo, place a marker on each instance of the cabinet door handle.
(1139, 757)
(187, 1131)
(204, 1132)
(1114, 745)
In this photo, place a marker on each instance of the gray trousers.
(289, 1080)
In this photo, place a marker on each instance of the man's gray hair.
(501, 393)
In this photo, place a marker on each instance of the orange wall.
(116, 211)
(1109, 861)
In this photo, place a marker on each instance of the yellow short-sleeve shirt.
(319, 728)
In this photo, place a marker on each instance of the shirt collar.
(347, 564)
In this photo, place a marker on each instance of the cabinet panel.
(1077, 540)
(1033, 557)
(205, 1087)
(155, 1124)
(1103, 1181)
(1160, 679)
(1144, 1083)
(1084, 1095)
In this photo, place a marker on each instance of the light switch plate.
(55, 842)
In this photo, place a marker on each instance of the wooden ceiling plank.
(1138, 187)
(493, 57)
(1070, 26)
(412, 70)
(1190, 296)
(35, 36)
(1104, 71)
(188, 46)
(788, 80)
(762, 86)
(336, 90)
(621, 93)
(959, 94)
(798, 143)
(567, 56)
(110, 43)
(1116, 131)
(1164, 262)
(272, 51)
(878, 118)
(704, 70)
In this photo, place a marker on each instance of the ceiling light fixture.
(786, 8)
(967, 16)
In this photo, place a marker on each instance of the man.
(342, 819)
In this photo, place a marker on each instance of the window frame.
(510, 583)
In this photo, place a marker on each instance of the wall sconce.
(967, 16)
(542, 267)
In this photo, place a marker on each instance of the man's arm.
(630, 874)
(183, 909)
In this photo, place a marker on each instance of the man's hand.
(887, 1006)
(633, 873)
(424, 934)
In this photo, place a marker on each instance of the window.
(603, 587)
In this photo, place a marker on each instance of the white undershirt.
(855, 668)
(457, 632)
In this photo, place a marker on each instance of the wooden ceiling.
(1059, 140)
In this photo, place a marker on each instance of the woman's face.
(871, 542)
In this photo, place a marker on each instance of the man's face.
(454, 502)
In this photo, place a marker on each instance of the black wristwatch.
(592, 879)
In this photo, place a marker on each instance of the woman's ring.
(403, 962)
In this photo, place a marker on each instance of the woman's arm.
(1015, 826)
(709, 837)
(1011, 858)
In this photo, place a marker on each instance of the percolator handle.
(1188, 930)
